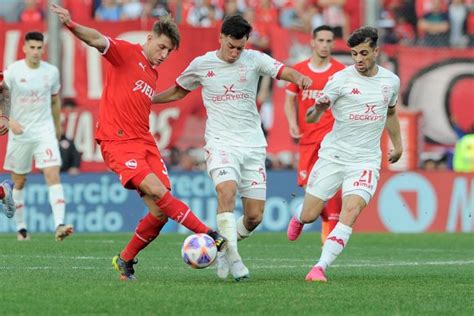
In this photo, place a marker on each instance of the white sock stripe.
(184, 216)
(141, 238)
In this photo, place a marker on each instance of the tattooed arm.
(5, 104)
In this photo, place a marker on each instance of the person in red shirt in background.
(320, 67)
(123, 132)
(32, 12)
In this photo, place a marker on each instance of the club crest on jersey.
(144, 88)
(242, 73)
(386, 93)
(131, 164)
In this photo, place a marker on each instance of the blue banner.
(97, 202)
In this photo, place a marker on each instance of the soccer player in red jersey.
(319, 67)
(123, 133)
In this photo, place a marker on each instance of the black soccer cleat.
(219, 240)
(127, 272)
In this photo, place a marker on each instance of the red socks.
(330, 215)
(181, 213)
(147, 230)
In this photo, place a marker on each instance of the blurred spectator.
(31, 12)
(204, 14)
(301, 15)
(132, 9)
(108, 10)
(404, 32)
(10, 11)
(457, 19)
(266, 12)
(434, 26)
(70, 156)
(233, 7)
(155, 8)
(335, 16)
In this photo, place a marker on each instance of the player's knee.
(253, 220)
(307, 217)
(226, 195)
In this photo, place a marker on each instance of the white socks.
(242, 231)
(58, 204)
(19, 198)
(227, 227)
(298, 211)
(334, 245)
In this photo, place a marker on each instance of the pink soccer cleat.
(316, 274)
(294, 229)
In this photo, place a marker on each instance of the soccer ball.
(199, 251)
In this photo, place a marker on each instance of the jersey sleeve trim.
(279, 72)
(107, 46)
(289, 92)
(181, 86)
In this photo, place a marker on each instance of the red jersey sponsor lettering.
(313, 133)
(130, 84)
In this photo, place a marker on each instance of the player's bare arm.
(393, 128)
(291, 75)
(89, 36)
(56, 111)
(314, 113)
(171, 94)
(5, 105)
(291, 115)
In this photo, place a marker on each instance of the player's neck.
(319, 62)
(32, 65)
(371, 72)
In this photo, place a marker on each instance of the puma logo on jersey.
(144, 88)
(142, 65)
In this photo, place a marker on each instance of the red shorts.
(132, 160)
(308, 157)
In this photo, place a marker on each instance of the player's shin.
(334, 245)
(227, 226)
(181, 213)
(57, 202)
(146, 231)
(19, 198)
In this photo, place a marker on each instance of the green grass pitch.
(377, 274)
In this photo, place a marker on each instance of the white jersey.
(359, 105)
(31, 91)
(229, 91)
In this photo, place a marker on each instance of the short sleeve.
(116, 51)
(268, 66)
(8, 77)
(56, 84)
(292, 88)
(396, 91)
(189, 78)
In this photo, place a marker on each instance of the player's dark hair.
(167, 26)
(366, 34)
(35, 36)
(322, 28)
(236, 27)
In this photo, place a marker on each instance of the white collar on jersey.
(319, 69)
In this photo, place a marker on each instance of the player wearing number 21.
(362, 98)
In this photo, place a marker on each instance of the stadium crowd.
(409, 22)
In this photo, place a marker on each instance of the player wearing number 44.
(362, 98)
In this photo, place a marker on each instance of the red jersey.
(313, 133)
(129, 87)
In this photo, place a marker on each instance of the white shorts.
(244, 165)
(327, 176)
(19, 157)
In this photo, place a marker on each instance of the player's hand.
(304, 82)
(16, 127)
(295, 131)
(323, 102)
(3, 125)
(394, 155)
(62, 13)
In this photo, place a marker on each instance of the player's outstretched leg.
(219, 240)
(125, 268)
(7, 203)
(295, 227)
(63, 231)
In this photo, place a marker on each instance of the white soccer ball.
(199, 251)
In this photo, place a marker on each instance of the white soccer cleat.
(222, 265)
(237, 268)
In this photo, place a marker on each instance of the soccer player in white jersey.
(35, 130)
(235, 143)
(362, 98)
(7, 206)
